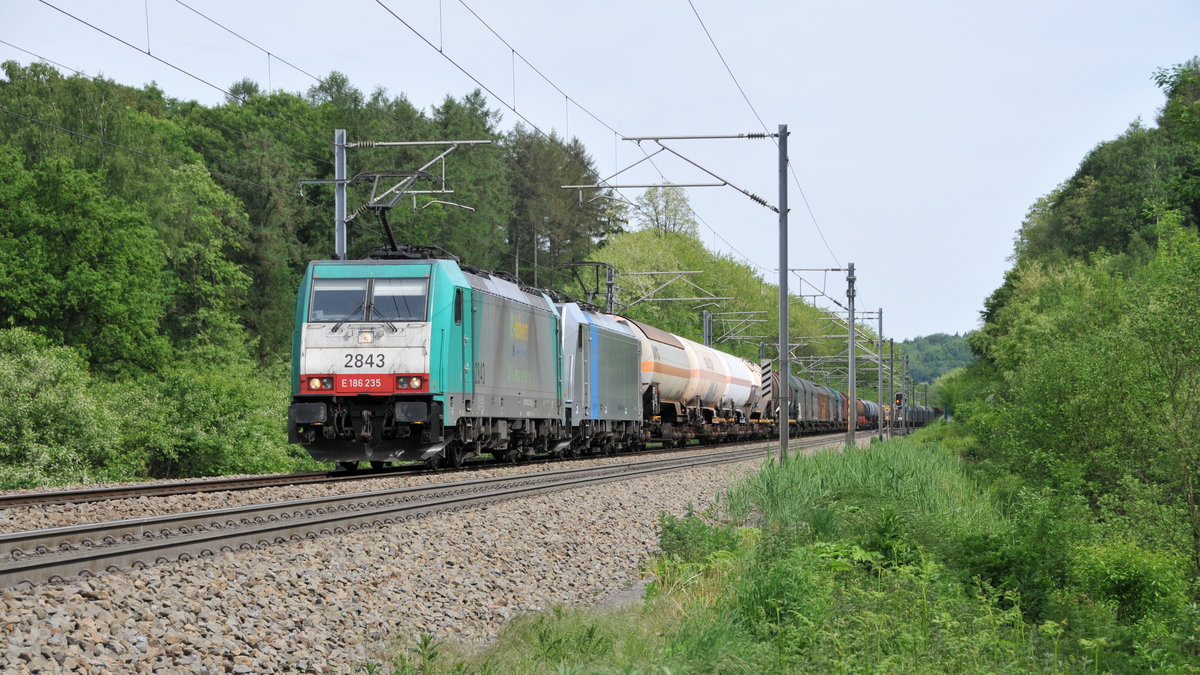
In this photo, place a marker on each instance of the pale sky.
(921, 132)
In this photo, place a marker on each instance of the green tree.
(79, 267)
(933, 355)
(1164, 332)
(1181, 119)
(551, 225)
(58, 430)
(204, 287)
(666, 210)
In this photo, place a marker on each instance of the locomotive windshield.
(340, 300)
(399, 299)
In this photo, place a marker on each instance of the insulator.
(366, 144)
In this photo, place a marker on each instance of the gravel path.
(328, 605)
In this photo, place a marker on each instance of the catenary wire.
(171, 65)
(42, 58)
(246, 40)
(99, 79)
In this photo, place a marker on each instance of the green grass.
(888, 558)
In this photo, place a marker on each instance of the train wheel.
(347, 466)
(453, 456)
(379, 465)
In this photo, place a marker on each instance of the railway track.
(226, 484)
(30, 558)
(84, 495)
(223, 484)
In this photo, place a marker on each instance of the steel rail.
(83, 495)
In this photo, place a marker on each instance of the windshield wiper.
(383, 318)
(338, 326)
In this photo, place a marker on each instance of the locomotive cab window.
(399, 299)
(338, 300)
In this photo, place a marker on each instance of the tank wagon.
(410, 357)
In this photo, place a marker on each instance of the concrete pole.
(852, 414)
(879, 362)
(785, 381)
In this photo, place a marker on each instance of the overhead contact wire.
(170, 65)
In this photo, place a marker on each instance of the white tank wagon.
(692, 391)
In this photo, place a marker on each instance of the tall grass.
(829, 495)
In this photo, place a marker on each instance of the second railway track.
(35, 557)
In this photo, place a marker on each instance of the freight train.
(415, 357)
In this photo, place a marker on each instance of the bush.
(790, 590)
(1032, 555)
(57, 430)
(210, 422)
(691, 539)
(1140, 582)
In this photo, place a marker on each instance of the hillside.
(931, 356)
(1081, 408)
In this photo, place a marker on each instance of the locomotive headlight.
(415, 383)
(366, 337)
(314, 383)
(402, 383)
(327, 383)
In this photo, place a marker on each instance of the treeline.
(1084, 405)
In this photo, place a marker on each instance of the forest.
(931, 356)
(150, 251)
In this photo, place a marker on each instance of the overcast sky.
(921, 132)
